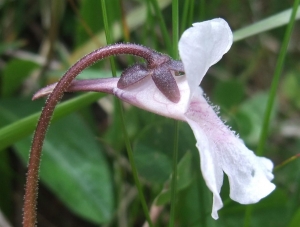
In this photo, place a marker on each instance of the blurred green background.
(86, 178)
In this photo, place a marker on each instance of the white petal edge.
(212, 173)
(221, 150)
(203, 45)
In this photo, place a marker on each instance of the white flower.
(221, 151)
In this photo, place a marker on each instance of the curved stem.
(31, 189)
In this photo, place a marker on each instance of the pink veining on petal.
(143, 94)
(222, 151)
(146, 95)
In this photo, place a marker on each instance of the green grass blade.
(162, 25)
(175, 54)
(21, 128)
(175, 27)
(184, 18)
(174, 175)
(267, 24)
(119, 109)
(275, 81)
(135, 18)
(272, 94)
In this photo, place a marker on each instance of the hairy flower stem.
(152, 58)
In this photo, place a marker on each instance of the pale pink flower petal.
(146, 96)
(221, 150)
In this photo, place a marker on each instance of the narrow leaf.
(23, 127)
(267, 24)
(74, 168)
